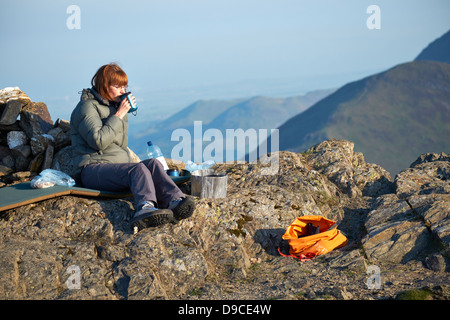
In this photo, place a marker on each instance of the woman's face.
(116, 91)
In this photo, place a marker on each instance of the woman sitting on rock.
(101, 158)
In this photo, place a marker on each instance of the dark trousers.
(146, 180)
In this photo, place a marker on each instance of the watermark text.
(74, 280)
(74, 20)
(374, 279)
(373, 22)
(236, 146)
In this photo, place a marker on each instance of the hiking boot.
(182, 208)
(150, 216)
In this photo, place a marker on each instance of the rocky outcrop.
(83, 248)
(413, 222)
(29, 140)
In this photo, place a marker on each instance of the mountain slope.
(391, 116)
(206, 110)
(265, 112)
(438, 50)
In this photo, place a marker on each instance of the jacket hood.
(91, 94)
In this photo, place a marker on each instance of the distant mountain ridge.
(438, 50)
(390, 116)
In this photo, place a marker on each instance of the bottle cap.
(149, 143)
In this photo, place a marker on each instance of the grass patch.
(415, 294)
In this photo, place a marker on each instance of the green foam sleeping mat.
(22, 194)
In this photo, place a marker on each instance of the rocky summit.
(397, 229)
(74, 247)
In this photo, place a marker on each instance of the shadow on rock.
(269, 239)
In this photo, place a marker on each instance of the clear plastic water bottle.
(154, 152)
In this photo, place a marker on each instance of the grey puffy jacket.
(98, 136)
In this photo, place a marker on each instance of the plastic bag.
(49, 177)
(191, 166)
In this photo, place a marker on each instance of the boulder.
(10, 112)
(397, 241)
(414, 221)
(12, 99)
(62, 160)
(21, 157)
(11, 94)
(6, 156)
(434, 210)
(61, 138)
(347, 169)
(48, 157)
(425, 177)
(16, 139)
(35, 119)
(40, 142)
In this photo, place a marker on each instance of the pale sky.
(178, 51)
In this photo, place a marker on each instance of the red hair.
(107, 75)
